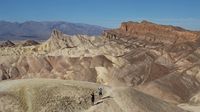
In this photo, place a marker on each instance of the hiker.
(92, 98)
(100, 91)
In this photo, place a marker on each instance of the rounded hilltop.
(38, 95)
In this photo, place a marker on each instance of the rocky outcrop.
(153, 33)
(29, 43)
(7, 43)
(58, 40)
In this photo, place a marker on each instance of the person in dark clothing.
(100, 91)
(92, 98)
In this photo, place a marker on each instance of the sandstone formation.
(53, 67)
(58, 40)
(153, 33)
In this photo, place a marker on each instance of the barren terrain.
(137, 64)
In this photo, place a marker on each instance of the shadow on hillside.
(107, 97)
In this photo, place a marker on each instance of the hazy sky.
(108, 13)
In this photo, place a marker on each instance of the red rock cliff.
(153, 32)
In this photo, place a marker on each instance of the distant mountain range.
(41, 30)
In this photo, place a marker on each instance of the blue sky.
(107, 13)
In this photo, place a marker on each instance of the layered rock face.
(153, 33)
(59, 67)
(163, 61)
(58, 40)
(61, 56)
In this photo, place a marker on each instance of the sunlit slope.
(41, 95)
